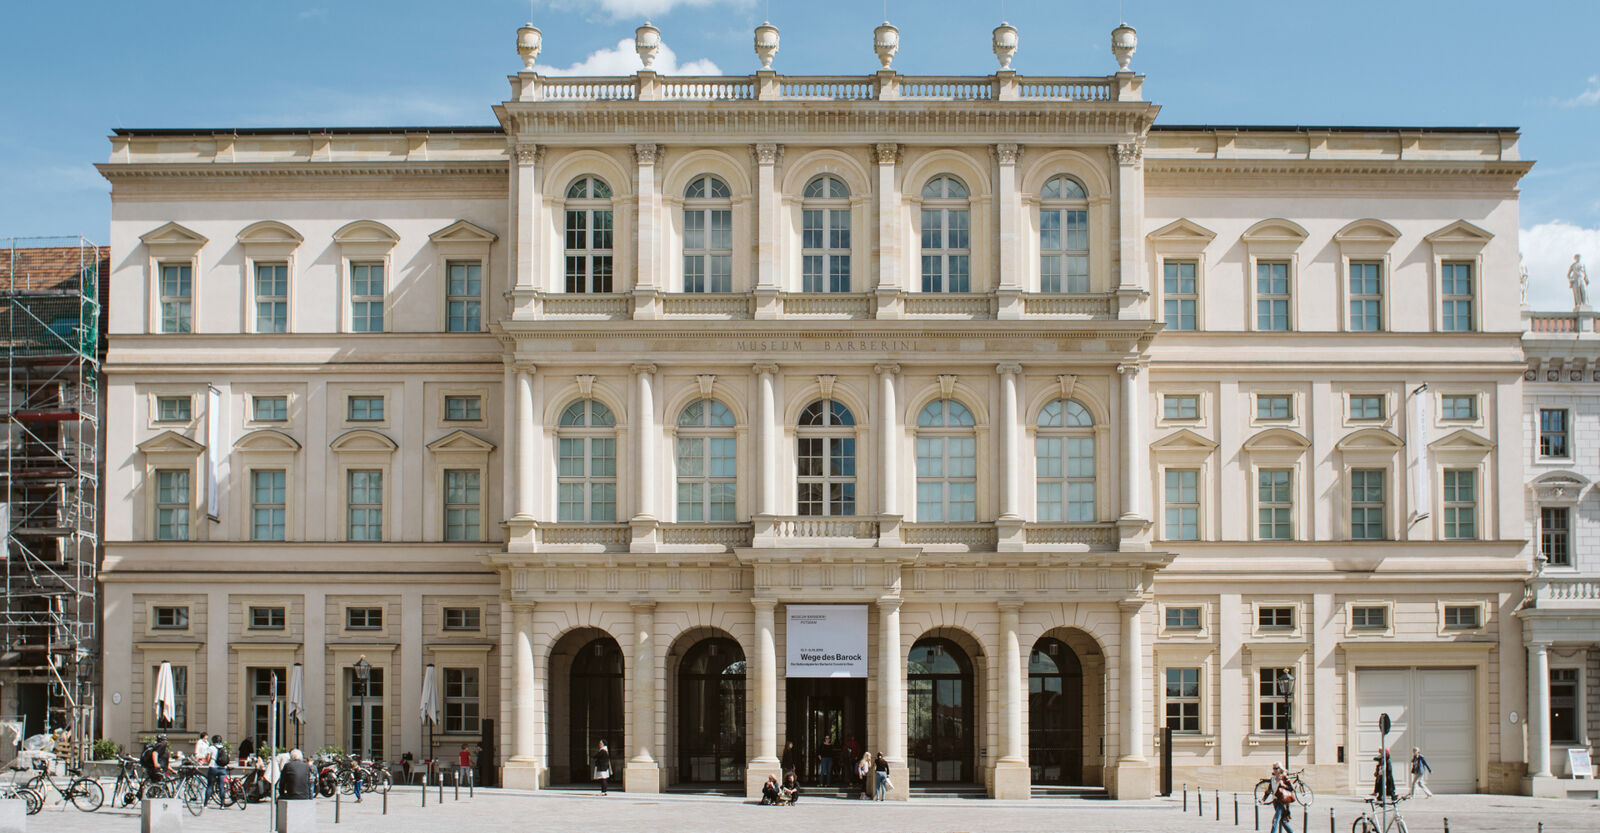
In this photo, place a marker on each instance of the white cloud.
(618, 9)
(1547, 251)
(1588, 98)
(623, 60)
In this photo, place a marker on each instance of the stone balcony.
(767, 85)
(761, 304)
(808, 532)
(1565, 593)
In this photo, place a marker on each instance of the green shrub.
(105, 749)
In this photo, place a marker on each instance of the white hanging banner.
(1417, 471)
(214, 451)
(827, 641)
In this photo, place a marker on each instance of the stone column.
(1539, 710)
(1132, 450)
(647, 286)
(889, 302)
(1133, 771)
(1008, 291)
(524, 770)
(645, 515)
(767, 436)
(1009, 524)
(525, 191)
(892, 696)
(765, 761)
(766, 156)
(643, 775)
(1012, 778)
(889, 433)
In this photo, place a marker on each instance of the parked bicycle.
(190, 787)
(12, 789)
(83, 792)
(1302, 791)
(130, 785)
(1387, 820)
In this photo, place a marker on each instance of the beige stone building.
(985, 422)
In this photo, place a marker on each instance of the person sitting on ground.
(295, 781)
(769, 791)
(790, 791)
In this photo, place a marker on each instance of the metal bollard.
(1447, 824)
(1216, 803)
(1200, 802)
(386, 802)
(457, 782)
(1258, 815)
(441, 787)
(1235, 809)
(337, 794)
(1330, 821)
(1186, 798)
(472, 780)
(1305, 823)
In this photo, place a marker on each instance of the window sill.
(1269, 738)
(1189, 739)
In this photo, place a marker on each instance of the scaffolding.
(51, 515)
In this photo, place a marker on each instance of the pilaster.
(524, 770)
(647, 286)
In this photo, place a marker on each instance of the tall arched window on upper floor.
(1065, 462)
(589, 236)
(825, 236)
(946, 236)
(826, 459)
(947, 463)
(707, 462)
(1063, 236)
(586, 477)
(707, 236)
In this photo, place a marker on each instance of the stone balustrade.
(647, 85)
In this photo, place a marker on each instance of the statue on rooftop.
(1578, 279)
(1522, 270)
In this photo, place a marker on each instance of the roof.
(27, 269)
(1329, 128)
(298, 131)
(45, 313)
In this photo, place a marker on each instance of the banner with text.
(827, 641)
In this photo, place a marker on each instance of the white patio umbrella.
(166, 697)
(297, 697)
(430, 704)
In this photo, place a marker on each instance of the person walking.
(463, 765)
(825, 762)
(1281, 796)
(1419, 774)
(790, 758)
(881, 769)
(204, 757)
(864, 775)
(1383, 777)
(602, 766)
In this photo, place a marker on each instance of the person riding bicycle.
(156, 760)
(1281, 796)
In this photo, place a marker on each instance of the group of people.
(211, 755)
(1280, 793)
(868, 773)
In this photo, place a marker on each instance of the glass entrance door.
(261, 705)
(364, 705)
(711, 713)
(596, 703)
(826, 711)
(939, 713)
(1055, 713)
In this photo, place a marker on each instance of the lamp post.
(364, 673)
(1286, 689)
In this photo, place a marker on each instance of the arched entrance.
(1055, 713)
(586, 704)
(939, 713)
(711, 713)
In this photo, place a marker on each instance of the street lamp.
(1286, 690)
(364, 673)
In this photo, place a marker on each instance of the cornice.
(116, 171)
(1333, 167)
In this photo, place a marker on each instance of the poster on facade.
(827, 641)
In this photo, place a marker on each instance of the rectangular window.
(363, 618)
(1274, 504)
(1179, 297)
(264, 684)
(464, 298)
(1181, 406)
(180, 695)
(461, 701)
(1367, 505)
(1564, 705)
(269, 408)
(365, 409)
(1274, 406)
(1458, 406)
(463, 408)
(1456, 289)
(177, 299)
(268, 505)
(1275, 618)
(170, 618)
(172, 505)
(461, 505)
(1461, 617)
(366, 297)
(1553, 430)
(1369, 618)
(365, 489)
(462, 619)
(1182, 505)
(1460, 504)
(1554, 543)
(174, 408)
(1272, 296)
(1366, 406)
(1366, 297)
(1183, 699)
(268, 618)
(1183, 618)
(272, 297)
(1274, 705)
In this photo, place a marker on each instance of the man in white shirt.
(204, 756)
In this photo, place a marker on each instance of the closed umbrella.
(297, 697)
(430, 704)
(166, 697)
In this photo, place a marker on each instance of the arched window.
(1064, 454)
(946, 236)
(1063, 236)
(707, 462)
(826, 461)
(589, 255)
(586, 480)
(707, 236)
(947, 463)
(825, 236)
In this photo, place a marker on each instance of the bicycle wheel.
(1303, 793)
(381, 782)
(87, 794)
(1399, 825)
(347, 783)
(235, 794)
(193, 793)
(122, 795)
(34, 799)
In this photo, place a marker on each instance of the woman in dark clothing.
(790, 791)
(882, 773)
(247, 749)
(602, 766)
(790, 759)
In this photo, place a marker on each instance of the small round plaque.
(1512, 717)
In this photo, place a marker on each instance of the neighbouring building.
(985, 421)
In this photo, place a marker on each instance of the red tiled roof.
(52, 267)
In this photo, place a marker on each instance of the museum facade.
(985, 422)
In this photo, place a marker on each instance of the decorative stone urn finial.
(1124, 42)
(886, 42)
(647, 42)
(529, 42)
(1005, 44)
(766, 43)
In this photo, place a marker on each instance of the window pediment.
(363, 439)
(1374, 233)
(174, 236)
(1462, 440)
(1460, 232)
(270, 232)
(460, 442)
(171, 442)
(1276, 231)
(462, 231)
(1371, 439)
(1181, 235)
(369, 232)
(1559, 488)
(267, 439)
(1278, 439)
(1183, 442)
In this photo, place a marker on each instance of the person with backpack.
(156, 759)
(1280, 794)
(1419, 773)
(217, 769)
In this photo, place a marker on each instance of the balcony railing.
(726, 536)
(1559, 592)
(1553, 322)
(769, 86)
(856, 531)
(1092, 536)
(969, 537)
(1088, 307)
(595, 537)
(714, 305)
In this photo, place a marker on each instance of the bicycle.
(233, 791)
(1366, 823)
(84, 793)
(130, 783)
(1302, 791)
(14, 790)
(190, 787)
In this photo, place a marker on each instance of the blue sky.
(75, 70)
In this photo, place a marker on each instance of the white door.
(1430, 708)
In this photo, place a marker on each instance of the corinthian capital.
(766, 153)
(645, 153)
(886, 153)
(1007, 153)
(527, 154)
(1130, 154)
